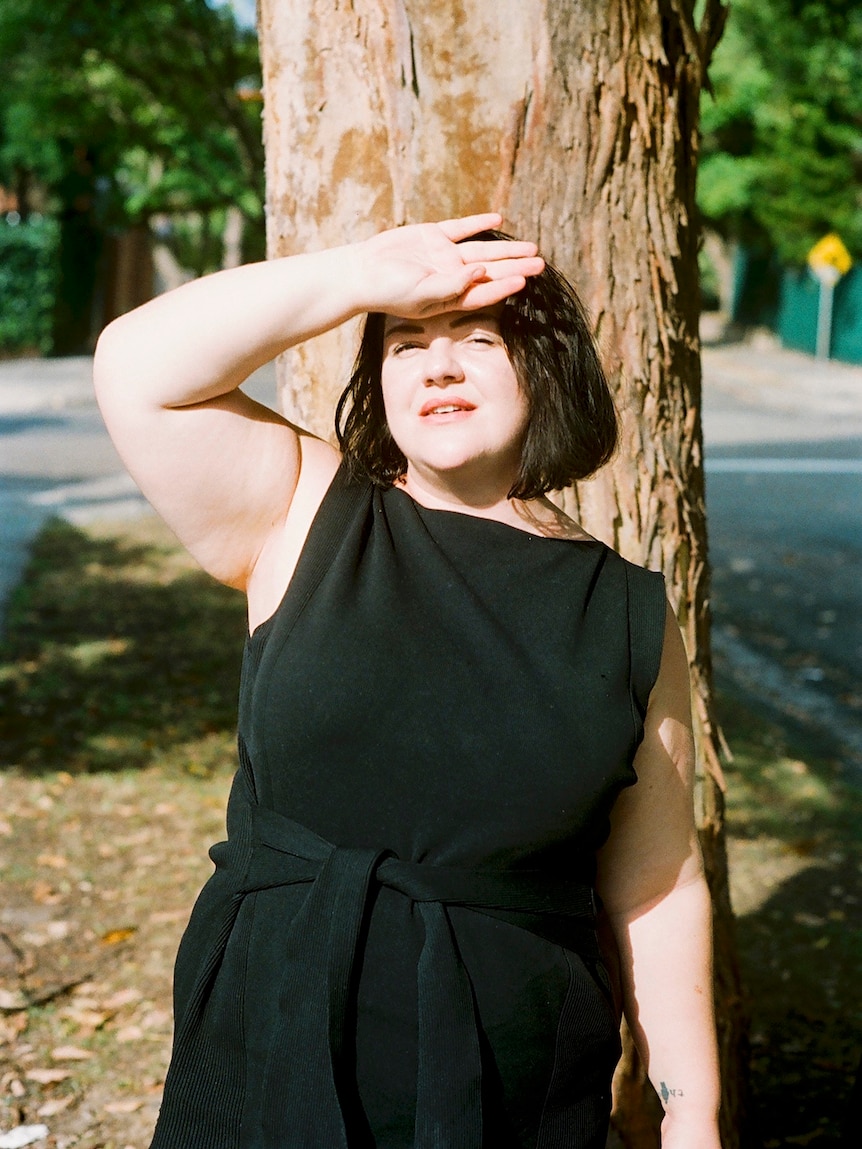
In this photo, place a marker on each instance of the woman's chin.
(470, 478)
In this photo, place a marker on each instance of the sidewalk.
(784, 395)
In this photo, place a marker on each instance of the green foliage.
(143, 97)
(28, 274)
(782, 134)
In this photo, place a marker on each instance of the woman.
(448, 692)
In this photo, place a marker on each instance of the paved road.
(784, 479)
(783, 438)
(55, 457)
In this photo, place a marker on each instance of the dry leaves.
(57, 1105)
(48, 1076)
(71, 1053)
(77, 1082)
(92, 1065)
(12, 1000)
(132, 1105)
(115, 937)
(23, 1135)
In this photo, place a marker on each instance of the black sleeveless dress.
(398, 948)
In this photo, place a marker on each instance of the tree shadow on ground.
(796, 869)
(118, 650)
(801, 965)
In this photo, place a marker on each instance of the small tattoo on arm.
(666, 1093)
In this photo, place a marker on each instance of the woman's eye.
(399, 347)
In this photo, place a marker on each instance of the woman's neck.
(536, 516)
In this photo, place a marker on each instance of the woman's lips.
(446, 407)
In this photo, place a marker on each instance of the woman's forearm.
(201, 340)
(221, 469)
(666, 953)
(204, 338)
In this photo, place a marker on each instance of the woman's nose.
(442, 364)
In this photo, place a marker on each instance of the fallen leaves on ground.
(85, 979)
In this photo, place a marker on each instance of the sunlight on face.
(453, 400)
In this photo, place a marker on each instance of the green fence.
(847, 318)
(786, 301)
(796, 322)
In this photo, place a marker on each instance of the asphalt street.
(783, 438)
(783, 435)
(56, 458)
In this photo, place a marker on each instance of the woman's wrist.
(690, 1127)
(362, 275)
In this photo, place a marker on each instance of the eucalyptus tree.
(580, 123)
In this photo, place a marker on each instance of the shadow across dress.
(398, 946)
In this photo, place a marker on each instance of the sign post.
(829, 259)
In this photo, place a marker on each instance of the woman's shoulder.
(544, 517)
(320, 464)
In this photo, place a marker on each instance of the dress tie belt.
(309, 1080)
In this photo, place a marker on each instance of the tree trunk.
(580, 123)
(603, 175)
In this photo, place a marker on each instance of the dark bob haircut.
(572, 428)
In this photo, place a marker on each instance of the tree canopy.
(782, 131)
(131, 108)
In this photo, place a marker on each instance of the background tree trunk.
(580, 123)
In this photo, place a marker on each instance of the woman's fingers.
(463, 228)
(445, 290)
(492, 291)
(524, 266)
(480, 285)
(502, 274)
(420, 268)
(482, 251)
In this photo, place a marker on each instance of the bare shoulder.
(280, 553)
(671, 694)
(318, 463)
(653, 844)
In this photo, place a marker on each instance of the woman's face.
(453, 402)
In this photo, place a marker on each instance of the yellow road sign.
(830, 252)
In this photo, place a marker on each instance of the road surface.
(56, 458)
(783, 436)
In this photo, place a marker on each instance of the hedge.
(28, 281)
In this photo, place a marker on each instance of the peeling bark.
(580, 123)
(378, 112)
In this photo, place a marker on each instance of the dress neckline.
(453, 515)
(340, 509)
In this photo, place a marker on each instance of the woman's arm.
(651, 881)
(218, 467)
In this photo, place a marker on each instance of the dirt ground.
(99, 876)
(117, 689)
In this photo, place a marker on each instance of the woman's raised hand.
(212, 463)
(425, 269)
